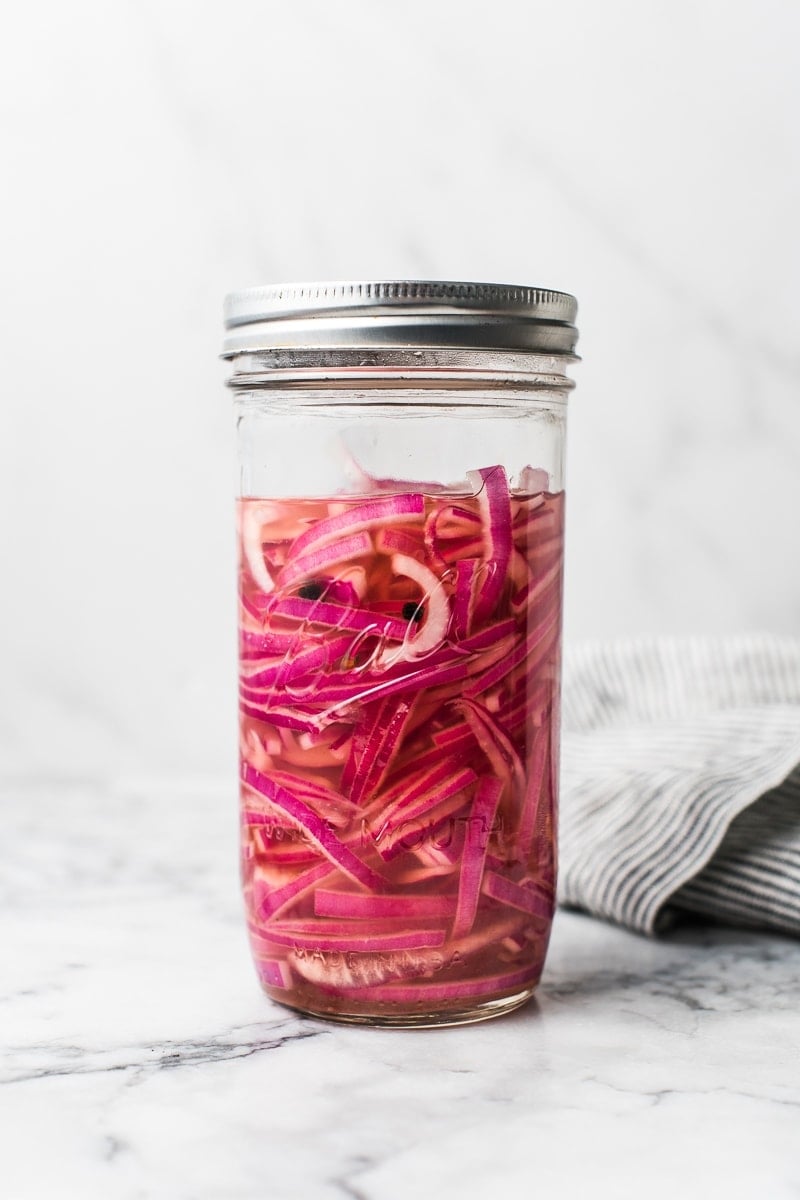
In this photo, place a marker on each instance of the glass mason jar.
(400, 523)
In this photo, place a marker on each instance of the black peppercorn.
(311, 591)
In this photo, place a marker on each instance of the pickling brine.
(399, 675)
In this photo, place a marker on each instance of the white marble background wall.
(155, 155)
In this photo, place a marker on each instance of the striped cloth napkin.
(681, 781)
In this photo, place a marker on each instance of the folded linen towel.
(681, 781)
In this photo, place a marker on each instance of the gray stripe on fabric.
(670, 747)
(755, 876)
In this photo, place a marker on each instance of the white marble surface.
(141, 1061)
(156, 155)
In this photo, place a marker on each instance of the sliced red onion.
(317, 830)
(359, 906)
(542, 523)
(514, 944)
(341, 690)
(312, 658)
(354, 943)
(372, 732)
(533, 793)
(526, 703)
(531, 594)
(533, 480)
(368, 721)
(251, 608)
(446, 842)
(269, 901)
(519, 573)
(464, 599)
(417, 784)
(494, 741)
(262, 645)
(269, 709)
(326, 802)
(338, 617)
(494, 502)
(253, 520)
(462, 746)
(456, 735)
(274, 972)
(454, 549)
(398, 541)
(536, 645)
(339, 927)
(281, 852)
(339, 693)
(309, 751)
(523, 898)
(490, 635)
(253, 816)
(491, 643)
(481, 821)
(318, 562)
(356, 519)
(412, 832)
(427, 863)
(523, 509)
(380, 748)
(281, 717)
(448, 525)
(341, 591)
(425, 799)
(433, 630)
(540, 645)
(259, 748)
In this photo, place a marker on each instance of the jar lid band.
(400, 313)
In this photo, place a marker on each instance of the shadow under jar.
(400, 532)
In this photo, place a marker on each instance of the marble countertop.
(141, 1060)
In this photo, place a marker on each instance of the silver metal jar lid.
(403, 313)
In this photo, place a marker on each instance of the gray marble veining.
(141, 1060)
(644, 157)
